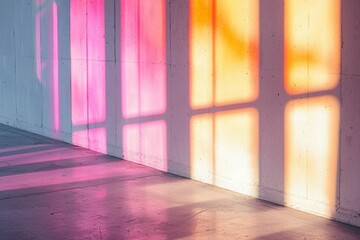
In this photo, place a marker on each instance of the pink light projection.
(47, 13)
(47, 154)
(38, 48)
(91, 138)
(80, 138)
(55, 67)
(143, 80)
(143, 56)
(38, 17)
(96, 61)
(78, 62)
(146, 143)
(63, 176)
(88, 77)
(97, 139)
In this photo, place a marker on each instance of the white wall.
(250, 96)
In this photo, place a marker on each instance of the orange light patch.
(224, 38)
(201, 54)
(236, 51)
(312, 45)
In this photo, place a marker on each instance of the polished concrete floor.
(52, 190)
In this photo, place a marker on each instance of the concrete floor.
(52, 190)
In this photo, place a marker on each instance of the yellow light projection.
(201, 145)
(200, 39)
(311, 149)
(224, 149)
(236, 145)
(223, 52)
(312, 45)
(312, 64)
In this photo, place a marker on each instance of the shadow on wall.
(349, 164)
(245, 95)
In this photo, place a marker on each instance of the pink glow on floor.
(45, 153)
(143, 56)
(19, 148)
(66, 175)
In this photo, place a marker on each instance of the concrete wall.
(261, 98)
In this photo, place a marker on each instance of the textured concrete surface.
(259, 97)
(52, 190)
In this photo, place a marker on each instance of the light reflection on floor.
(79, 194)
